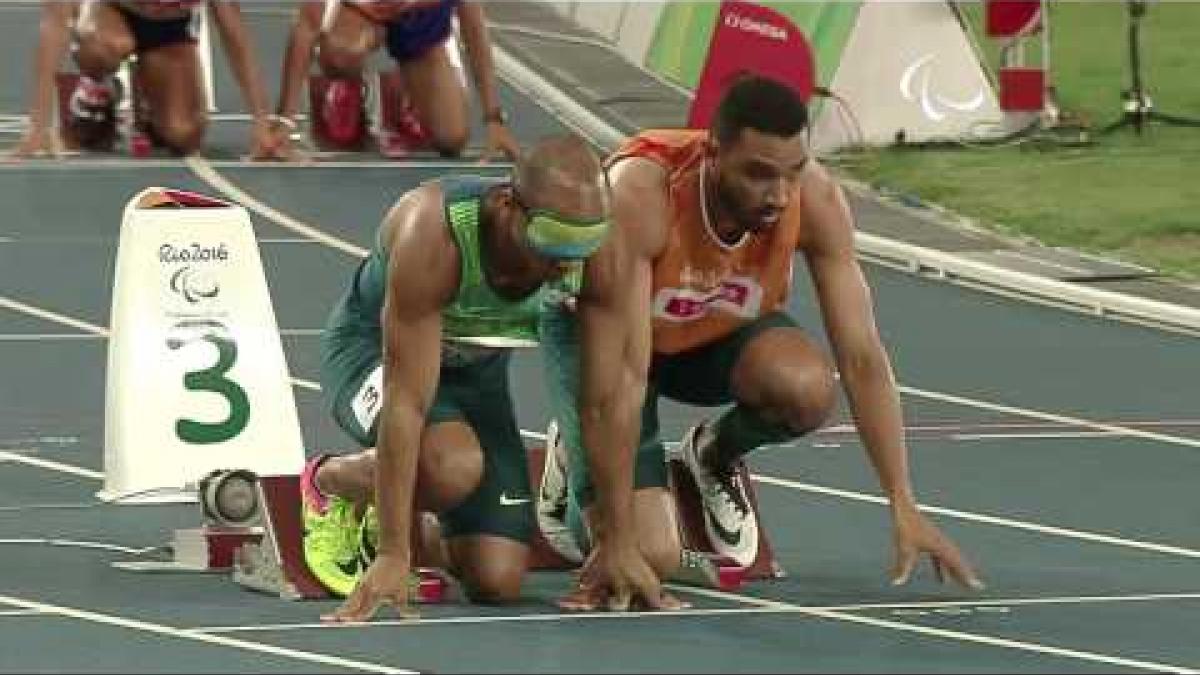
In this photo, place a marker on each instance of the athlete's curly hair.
(762, 104)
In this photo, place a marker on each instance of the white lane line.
(983, 518)
(168, 631)
(306, 384)
(958, 635)
(21, 458)
(104, 332)
(453, 620)
(1050, 417)
(75, 543)
(43, 337)
(205, 172)
(39, 337)
(1044, 435)
(20, 612)
(48, 315)
(691, 613)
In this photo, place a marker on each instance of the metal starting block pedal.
(230, 507)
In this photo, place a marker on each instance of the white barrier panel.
(196, 377)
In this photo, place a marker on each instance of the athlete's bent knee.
(812, 402)
(184, 135)
(491, 585)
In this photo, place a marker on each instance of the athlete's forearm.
(53, 40)
(297, 60)
(241, 58)
(611, 405)
(609, 420)
(478, 46)
(396, 475)
(875, 404)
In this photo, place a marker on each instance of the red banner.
(750, 38)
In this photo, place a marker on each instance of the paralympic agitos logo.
(916, 85)
(193, 284)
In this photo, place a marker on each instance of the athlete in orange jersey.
(689, 294)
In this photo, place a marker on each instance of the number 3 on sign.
(213, 380)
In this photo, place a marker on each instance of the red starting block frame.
(380, 126)
(691, 520)
(702, 566)
(275, 565)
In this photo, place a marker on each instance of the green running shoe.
(331, 545)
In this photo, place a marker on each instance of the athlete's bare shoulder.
(641, 196)
(421, 250)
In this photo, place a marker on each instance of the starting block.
(231, 520)
(338, 113)
(275, 565)
(691, 520)
(128, 130)
(699, 566)
(344, 119)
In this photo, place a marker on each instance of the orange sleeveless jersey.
(703, 288)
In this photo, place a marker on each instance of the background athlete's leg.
(103, 40)
(346, 43)
(439, 99)
(173, 86)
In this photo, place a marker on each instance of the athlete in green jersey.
(414, 361)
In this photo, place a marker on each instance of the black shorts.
(150, 34)
(418, 30)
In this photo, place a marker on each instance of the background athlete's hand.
(270, 140)
(386, 582)
(617, 577)
(500, 139)
(914, 535)
(37, 143)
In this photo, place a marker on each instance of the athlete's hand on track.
(386, 582)
(914, 535)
